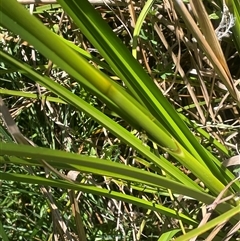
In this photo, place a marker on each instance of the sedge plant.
(138, 102)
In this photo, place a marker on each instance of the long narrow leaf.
(130, 71)
(94, 190)
(118, 130)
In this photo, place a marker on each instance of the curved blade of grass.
(89, 165)
(96, 191)
(102, 167)
(98, 166)
(76, 167)
(139, 24)
(223, 207)
(167, 236)
(211, 224)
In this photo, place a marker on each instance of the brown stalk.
(210, 36)
(220, 69)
